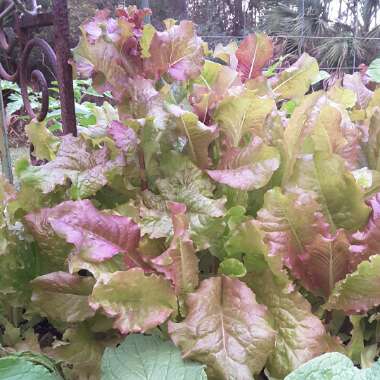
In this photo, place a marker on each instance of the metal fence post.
(64, 70)
(6, 161)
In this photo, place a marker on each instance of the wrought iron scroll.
(25, 17)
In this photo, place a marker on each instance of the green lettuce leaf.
(295, 81)
(179, 262)
(45, 144)
(240, 114)
(340, 198)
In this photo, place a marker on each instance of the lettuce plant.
(234, 214)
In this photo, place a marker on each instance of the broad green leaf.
(142, 357)
(44, 142)
(62, 296)
(254, 52)
(240, 114)
(136, 301)
(295, 81)
(374, 70)
(373, 150)
(333, 366)
(358, 292)
(300, 335)
(250, 168)
(220, 312)
(18, 368)
(340, 198)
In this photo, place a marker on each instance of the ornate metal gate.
(26, 17)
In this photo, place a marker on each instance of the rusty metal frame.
(26, 17)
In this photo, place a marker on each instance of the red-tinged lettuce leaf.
(62, 296)
(301, 336)
(373, 151)
(244, 113)
(253, 54)
(340, 198)
(85, 167)
(295, 81)
(335, 133)
(359, 292)
(363, 94)
(197, 135)
(219, 314)
(125, 137)
(211, 87)
(137, 302)
(366, 242)
(249, 168)
(319, 125)
(295, 231)
(188, 185)
(288, 223)
(298, 128)
(112, 56)
(81, 351)
(96, 235)
(179, 262)
(139, 99)
(100, 61)
(325, 261)
(176, 51)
